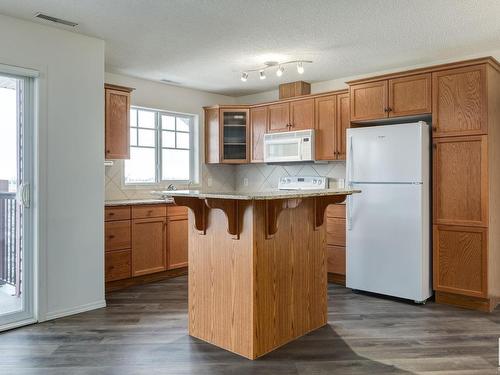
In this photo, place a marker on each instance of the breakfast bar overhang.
(257, 266)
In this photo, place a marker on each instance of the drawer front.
(117, 213)
(335, 232)
(117, 265)
(336, 210)
(176, 211)
(336, 259)
(149, 210)
(117, 235)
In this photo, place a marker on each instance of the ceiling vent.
(55, 20)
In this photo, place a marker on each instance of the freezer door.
(388, 248)
(389, 153)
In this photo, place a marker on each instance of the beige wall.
(158, 95)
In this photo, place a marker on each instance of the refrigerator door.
(389, 153)
(388, 241)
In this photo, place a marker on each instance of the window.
(161, 147)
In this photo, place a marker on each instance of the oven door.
(282, 150)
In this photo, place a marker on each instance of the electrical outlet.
(245, 181)
(209, 181)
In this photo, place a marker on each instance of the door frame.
(28, 314)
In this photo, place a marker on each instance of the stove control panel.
(302, 183)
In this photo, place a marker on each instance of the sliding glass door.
(16, 219)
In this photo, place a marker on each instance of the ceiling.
(206, 44)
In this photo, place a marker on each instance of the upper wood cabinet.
(326, 128)
(332, 120)
(460, 181)
(212, 136)
(402, 96)
(117, 124)
(460, 101)
(302, 114)
(258, 127)
(278, 117)
(410, 95)
(368, 101)
(226, 135)
(343, 123)
(149, 239)
(291, 116)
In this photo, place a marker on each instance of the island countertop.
(260, 195)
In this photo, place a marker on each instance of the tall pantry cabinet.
(466, 173)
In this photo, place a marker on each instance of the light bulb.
(244, 76)
(300, 67)
(280, 70)
(262, 75)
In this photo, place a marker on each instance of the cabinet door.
(460, 260)
(117, 124)
(460, 180)
(368, 101)
(234, 123)
(258, 127)
(177, 241)
(148, 245)
(212, 136)
(279, 117)
(459, 101)
(302, 114)
(326, 127)
(410, 95)
(343, 123)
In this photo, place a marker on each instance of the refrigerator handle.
(349, 212)
(351, 162)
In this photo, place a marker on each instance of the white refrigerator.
(388, 223)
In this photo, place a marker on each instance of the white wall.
(158, 95)
(340, 83)
(69, 189)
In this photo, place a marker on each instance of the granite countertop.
(127, 202)
(260, 195)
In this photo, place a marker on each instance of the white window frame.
(193, 157)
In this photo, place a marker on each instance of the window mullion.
(158, 147)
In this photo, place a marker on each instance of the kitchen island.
(257, 266)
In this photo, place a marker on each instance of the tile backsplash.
(266, 176)
(256, 177)
(214, 177)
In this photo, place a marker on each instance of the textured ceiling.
(205, 44)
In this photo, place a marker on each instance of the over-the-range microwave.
(289, 146)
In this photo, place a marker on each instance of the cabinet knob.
(434, 128)
(389, 109)
(386, 109)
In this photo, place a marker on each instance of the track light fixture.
(280, 70)
(300, 67)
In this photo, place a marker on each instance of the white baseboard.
(75, 310)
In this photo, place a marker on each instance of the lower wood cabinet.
(144, 240)
(118, 265)
(460, 260)
(177, 238)
(336, 243)
(149, 238)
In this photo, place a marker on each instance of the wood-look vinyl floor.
(143, 331)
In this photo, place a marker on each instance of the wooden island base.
(263, 284)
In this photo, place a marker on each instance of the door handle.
(25, 195)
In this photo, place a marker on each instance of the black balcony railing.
(9, 240)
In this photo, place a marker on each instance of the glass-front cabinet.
(234, 135)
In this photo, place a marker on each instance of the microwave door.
(284, 150)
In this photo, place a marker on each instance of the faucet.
(171, 187)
